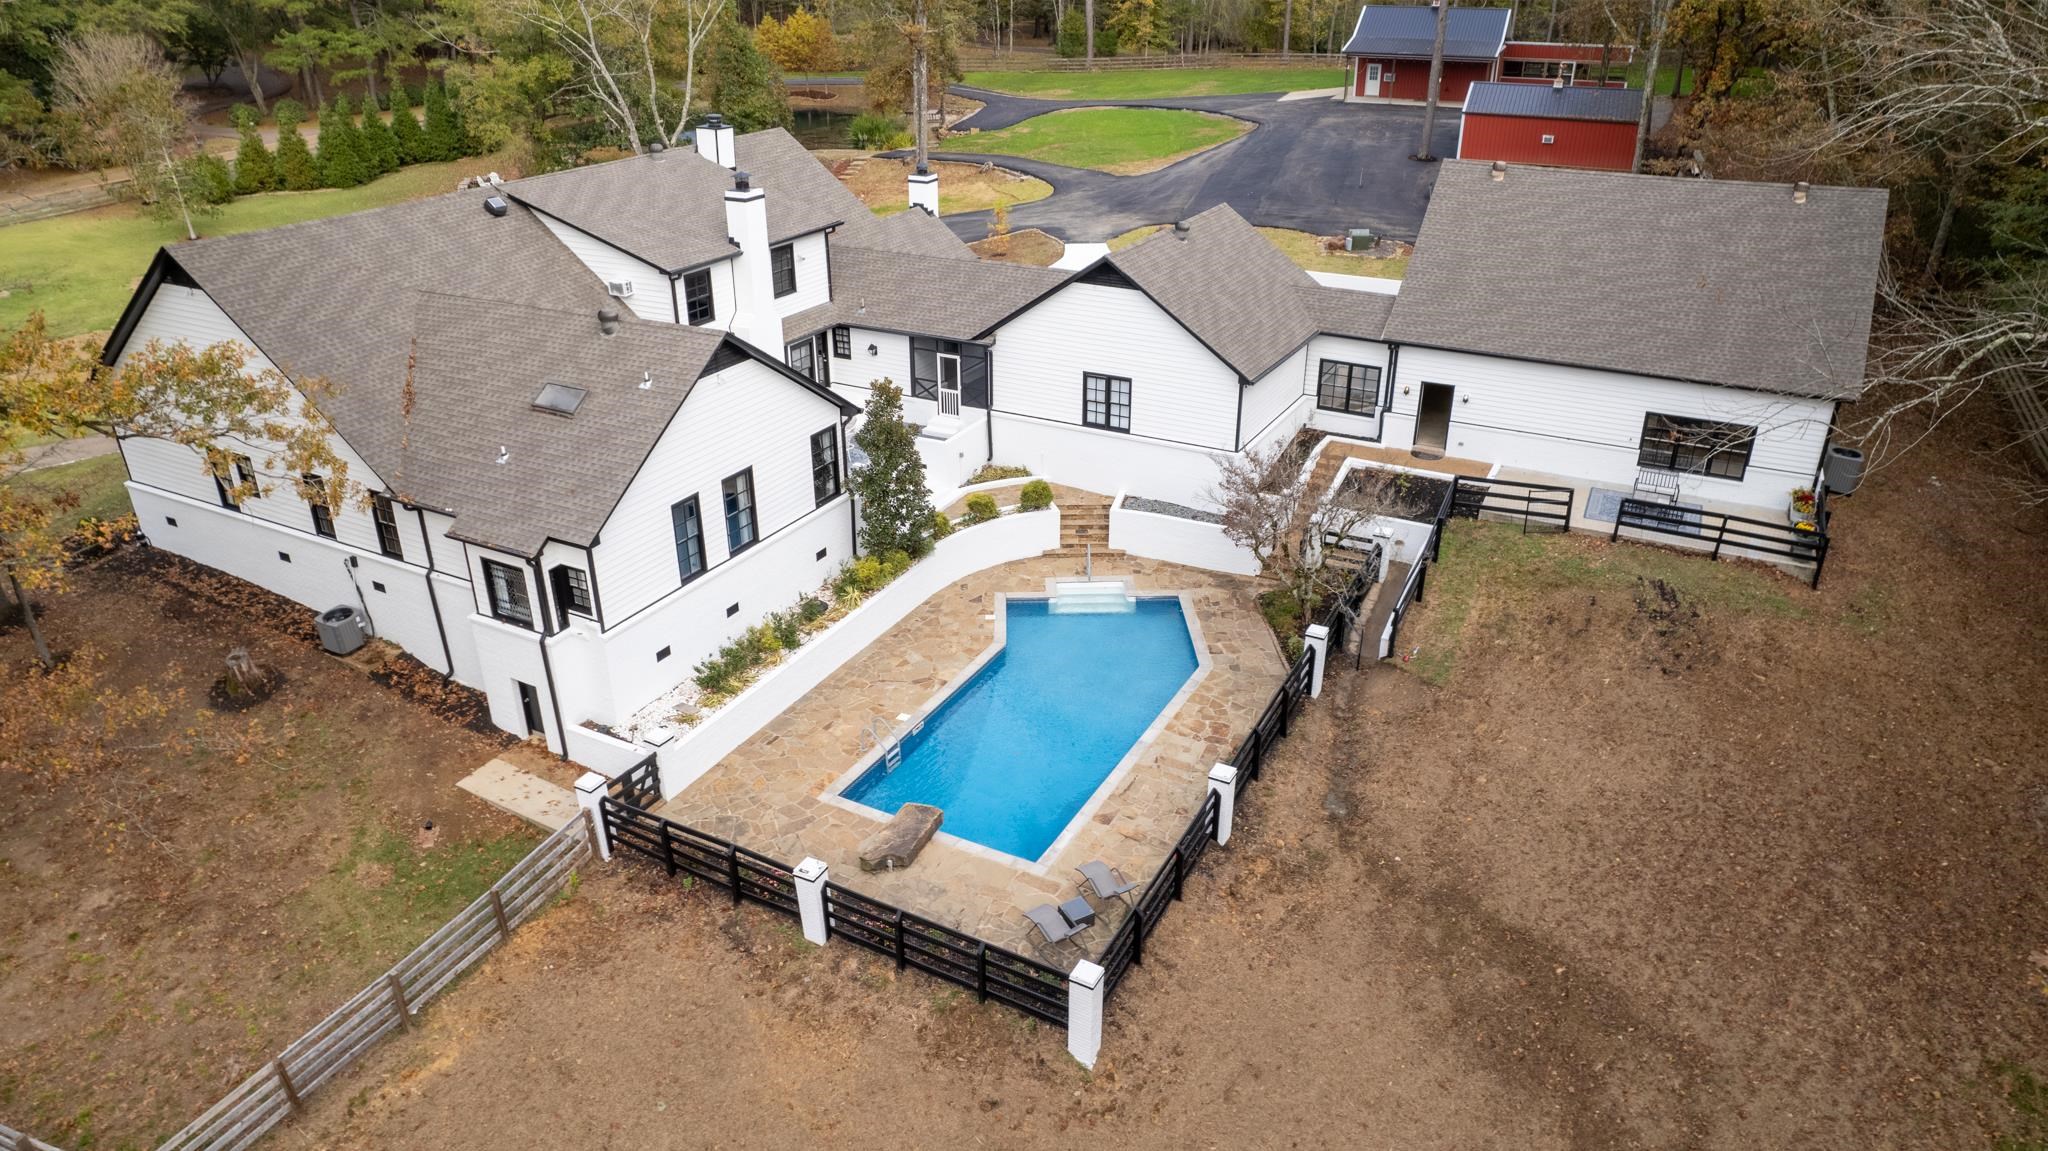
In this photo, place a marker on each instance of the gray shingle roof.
(1228, 285)
(669, 212)
(1574, 102)
(897, 291)
(1714, 281)
(1345, 312)
(1469, 33)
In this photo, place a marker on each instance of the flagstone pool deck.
(768, 795)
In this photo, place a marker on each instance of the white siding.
(813, 276)
(650, 299)
(854, 377)
(1274, 397)
(1179, 390)
(511, 656)
(1342, 349)
(744, 416)
(447, 553)
(1585, 424)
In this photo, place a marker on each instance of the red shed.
(1391, 47)
(1563, 127)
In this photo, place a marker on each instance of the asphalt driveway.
(1316, 165)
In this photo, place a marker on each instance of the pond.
(815, 128)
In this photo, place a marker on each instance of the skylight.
(559, 399)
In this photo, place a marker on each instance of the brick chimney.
(746, 221)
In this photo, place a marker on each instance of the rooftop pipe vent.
(1558, 84)
(1180, 229)
(924, 169)
(655, 150)
(714, 120)
(496, 206)
(1799, 191)
(1500, 170)
(607, 320)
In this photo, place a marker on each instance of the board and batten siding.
(747, 415)
(1586, 424)
(1180, 391)
(650, 299)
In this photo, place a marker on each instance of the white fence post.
(1318, 639)
(1223, 781)
(589, 792)
(1085, 992)
(810, 876)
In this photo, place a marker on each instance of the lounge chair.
(1051, 924)
(1107, 882)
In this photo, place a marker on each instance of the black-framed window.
(1350, 388)
(741, 530)
(825, 464)
(1106, 402)
(315, 490)
(505, 585)
(689, 525)
(382, 511)
(245, 476)
(782, 263)
(1704, 447)
(842, 342)
(227, 497)
(800, 360)
(571, 588)
(697, 303)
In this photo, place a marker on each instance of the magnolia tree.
(252, 428)
(895, 508)
(1272, 508)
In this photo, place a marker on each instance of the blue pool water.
(1015, 752)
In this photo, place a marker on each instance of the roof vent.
(741, 181)
(1180, 229)
(1500, 170)
(1558, 84)
(496, 206)
(504, 453)
(607, 320)
(1799, 191)
(655, 150)
(559, 399)
(924, 169)
(713, 120)
(646, 380)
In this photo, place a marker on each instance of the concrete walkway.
(63, 452)
(1319, 166)
(516, 791)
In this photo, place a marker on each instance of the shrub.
(992, 472)
(981, 508)
(869, 574)
(1035, 496)
(255, 167)
(406, 132)
(342, 162)
(297, 171)
(380, 147)
(212, 181)
(873, 130)
(941, 526)
(895, 508)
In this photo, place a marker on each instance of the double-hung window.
(825, 464)
(386, 515)
(1106, 402)
(314, 488)
(740, 528)
(1702, 447)
(689, 525)
(697, 306)
(506, 587)
(1350, 388)
(782, 262)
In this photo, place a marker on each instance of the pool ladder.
(881, 733)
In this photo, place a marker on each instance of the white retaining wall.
(696, 750)
(1177, 540)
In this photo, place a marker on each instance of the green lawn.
(96, 481)
(1154, 84)
(1124, 141)
(80, 269)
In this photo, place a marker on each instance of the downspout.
(1237, 428)
(1393, 366)
(434, 599)
(547, 667)
(674, 301)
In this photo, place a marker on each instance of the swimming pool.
(1017, 750)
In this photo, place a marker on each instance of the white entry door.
(949, 384)
(1372, 79)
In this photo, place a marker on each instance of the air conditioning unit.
(341, 629)
(622, 289)
(1547, 138)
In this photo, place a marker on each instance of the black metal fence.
(1753, 538)
(1127, 946)
(1547, 505)
(989, 971)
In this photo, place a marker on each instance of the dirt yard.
(203, 885)
(1637, 851)
(881, 184)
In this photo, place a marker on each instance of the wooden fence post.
(397, 988)
(291, 1094)
(498, 911)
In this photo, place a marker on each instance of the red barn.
(1563, 127)
(1390, 49)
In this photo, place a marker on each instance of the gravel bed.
(1164, 508)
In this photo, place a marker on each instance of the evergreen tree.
(444, 128)
(342, 163)
(297, 171)
(380, 147)
(406, 132)
(895, 509)
(255, 167)
(746, 88)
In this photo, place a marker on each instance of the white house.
(603, 412)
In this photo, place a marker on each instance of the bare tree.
(121, 104)
(1436, 78)
(699, 18)
(1660, 20)
(609, 40)
(1270, 508)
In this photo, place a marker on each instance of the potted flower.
(1802, 509)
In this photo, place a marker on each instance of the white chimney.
(924, 190)
(746, 221)
(715, 142)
